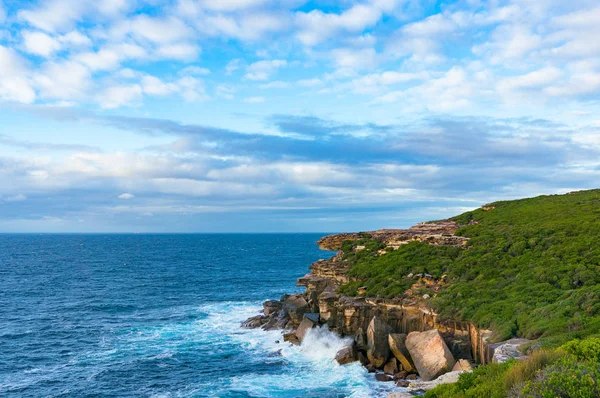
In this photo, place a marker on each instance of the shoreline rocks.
(382, 328)
(430, 354)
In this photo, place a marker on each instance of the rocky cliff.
(363, 317)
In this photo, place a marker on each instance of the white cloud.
(195, 70)
(262, 70)
(117, 96)
(232, 66)
(76, 39)
(65, 80)
(316, 26)
(353, 59)
(536, 79)
(254, 100)
(230, 5)
(54, 15)
(126, 196)
(179, 51)
(154, 86)
(162, 30)
(40, 43)
(15, 84)
(111, 56)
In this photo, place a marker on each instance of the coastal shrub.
(572, 371)
(568, 378)
(588, 350)
(531, 268)
(527, 369)
(485, 381)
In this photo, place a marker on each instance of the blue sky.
(290, 115)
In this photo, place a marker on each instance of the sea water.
(159, 316)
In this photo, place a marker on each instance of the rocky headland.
(401, 339)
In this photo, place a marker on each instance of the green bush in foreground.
(572, 371)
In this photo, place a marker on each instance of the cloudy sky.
(290, 115)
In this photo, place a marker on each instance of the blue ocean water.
(159, 316)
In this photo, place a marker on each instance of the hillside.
(530, 268)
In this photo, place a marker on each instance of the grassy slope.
(531, 269)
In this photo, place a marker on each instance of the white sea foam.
(309, 367)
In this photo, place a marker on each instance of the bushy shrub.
(531, 268)
(587, 350)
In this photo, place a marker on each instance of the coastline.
(391, 338)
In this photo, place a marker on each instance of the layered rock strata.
(379, 326)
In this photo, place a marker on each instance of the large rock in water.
(309, 321)
(378, 349)
(397, 344)
(346, 354)
(429, 353)
(295, 306)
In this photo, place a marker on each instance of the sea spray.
(322, 344)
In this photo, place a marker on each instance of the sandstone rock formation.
(429, 353)
(346, 355)
(309, 321)
(462, 365)
(508, 349)
(397, 343)
(451, 377)
(378, 326)
(378, 349)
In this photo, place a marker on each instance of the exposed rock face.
(438, 233)
(400, 394)
(451, 377)
(397, 343)
(391, 367)
(378, 350)
(308, 322)
(462, 365)
(378, 326)
(346, 355)
(508, 349)
(295, 307)
(429, 353)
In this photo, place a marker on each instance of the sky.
(290, 115)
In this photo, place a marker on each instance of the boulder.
(346, 355)
(295, 306)
(271, 307)
(430, 354)
(270, 324)
(378, 349)
(448, 378)
(509, 349)
(383, 377)
(309, 321)
(360, 339)
(391, 367)
(253, 322)
(362, 357)
(400, 375)
(397, 344)
(412, 377)
(291, 338)
(462, 365)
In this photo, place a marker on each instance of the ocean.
(159, 316)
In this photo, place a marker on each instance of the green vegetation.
(531, 269)
(572, 371)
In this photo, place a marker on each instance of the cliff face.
(350, 316)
